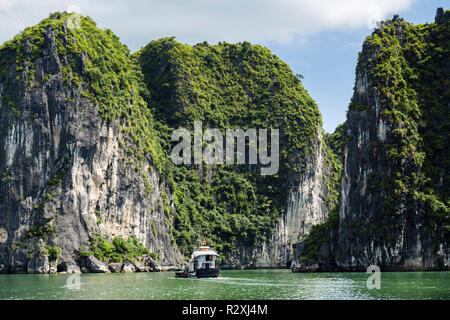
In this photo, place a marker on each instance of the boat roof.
(205, 253)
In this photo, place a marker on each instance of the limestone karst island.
(90, 196)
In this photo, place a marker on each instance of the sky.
(319, 39)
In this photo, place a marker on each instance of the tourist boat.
(202, 265)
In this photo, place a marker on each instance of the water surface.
(232, 284)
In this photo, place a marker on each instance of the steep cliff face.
(307, 205)
(68, 172)
(253, 220)
(317, 247)
(85, 146)
(393, 196)
(394, 200)
(85, 140)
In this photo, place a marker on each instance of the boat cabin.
(203, 261)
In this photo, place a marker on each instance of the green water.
(247, 284)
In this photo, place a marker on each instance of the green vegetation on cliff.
(228, 86)
(411, 75)
(97, 66)
(96, 62)
(408, 68)
(166, 85)
(118, 250)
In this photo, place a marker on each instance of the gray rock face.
(305, 207)
(128, 266)
(53, 269)
(408, 246)
(115, 267)
(150, 264)
(139, 266)
(304, 266)
(68, 267)
(325, 260)
(38, 264)
(56, 132)
(94, 265)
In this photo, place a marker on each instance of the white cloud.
(138, 22)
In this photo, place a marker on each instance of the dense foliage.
(94, 61)
(116, 251)
(228, 86)
(225, 86)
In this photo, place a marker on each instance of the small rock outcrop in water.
(150, 264)
(38, 264)
(115, 267)
(128, 266)
(92, 264)
(139, 267)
